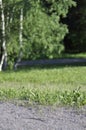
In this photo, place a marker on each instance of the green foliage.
(11, 15)
(13, 51)
(73, 98)
(43, 31)
(44, 35)
(59, 7)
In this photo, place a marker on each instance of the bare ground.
(17, 117)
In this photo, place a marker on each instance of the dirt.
(18, 117)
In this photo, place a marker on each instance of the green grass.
(53, 85)
(70, 55)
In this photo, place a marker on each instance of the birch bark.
(20, 38)
(4, 53)
(20, 35)
(21, 31)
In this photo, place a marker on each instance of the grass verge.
(47, 86)
(45, 96)
(72, 55)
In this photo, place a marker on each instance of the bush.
(43, 30)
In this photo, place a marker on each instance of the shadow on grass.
(40, 67)
(48, 64)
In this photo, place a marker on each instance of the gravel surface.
(16, 117)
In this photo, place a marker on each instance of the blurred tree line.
(35, 29)
(75, 41)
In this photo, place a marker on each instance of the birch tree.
(20, 39)
(11, 28)
(4, 53)
(21, 34)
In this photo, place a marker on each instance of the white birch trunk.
(20, 39)
(4, 55)
(11, 15)
(20, 35)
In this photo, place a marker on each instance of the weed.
(73, 98)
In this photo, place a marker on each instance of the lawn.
(47, 85)
(72, 55)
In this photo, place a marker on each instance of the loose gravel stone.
(16, 117)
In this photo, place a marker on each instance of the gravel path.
(15, 117)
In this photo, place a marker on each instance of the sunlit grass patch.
(54, 85)
(44, 96)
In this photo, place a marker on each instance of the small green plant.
(73, 98)
(44, 96)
